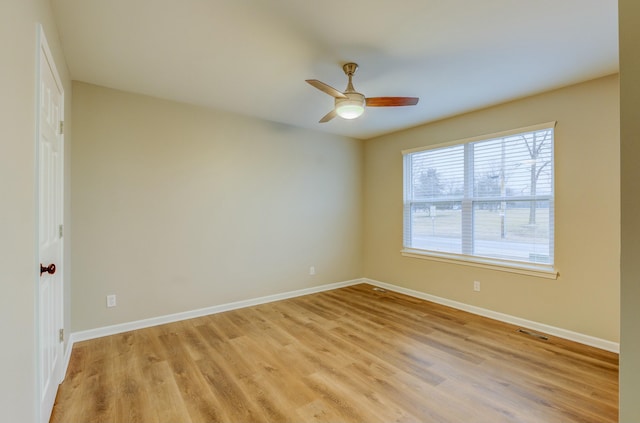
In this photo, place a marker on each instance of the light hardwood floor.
(348, 355)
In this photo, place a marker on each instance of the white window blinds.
(490, 198)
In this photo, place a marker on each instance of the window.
(487, 199)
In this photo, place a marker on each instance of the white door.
(50, 153)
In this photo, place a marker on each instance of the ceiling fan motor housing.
(350, 107)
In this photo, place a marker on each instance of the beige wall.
(629, 11)
(177, 207)
(585, 298)
(18, 23)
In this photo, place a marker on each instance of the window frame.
(467, 200)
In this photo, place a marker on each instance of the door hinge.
(61, 335)
(60, 230)
(61, 127)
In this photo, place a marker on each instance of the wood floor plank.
(166, 400)
(225, 388)
(132, 402)
(201, 404)
(353, 354)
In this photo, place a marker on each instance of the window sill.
(537, 270)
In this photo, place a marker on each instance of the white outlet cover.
(111, 300)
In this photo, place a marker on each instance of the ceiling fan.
(350, 104)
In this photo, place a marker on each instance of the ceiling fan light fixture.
(350, 111)
(350, 107)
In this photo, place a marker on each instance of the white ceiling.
(253, 56)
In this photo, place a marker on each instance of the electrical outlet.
(111, 300)
(476, 286)
(312, 270)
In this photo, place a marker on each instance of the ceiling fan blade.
(391, 101)
(328, 116)
(326, 88)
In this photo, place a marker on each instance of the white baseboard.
(160, 320)
(539, 327)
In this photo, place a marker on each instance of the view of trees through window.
(489, 198)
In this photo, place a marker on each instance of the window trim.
(511, 266)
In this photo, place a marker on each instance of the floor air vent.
(379, 289)
(535, 335)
